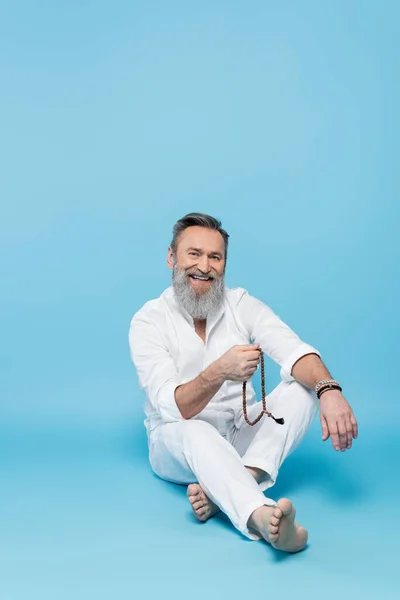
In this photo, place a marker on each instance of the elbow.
(186, 415)
(184, 411)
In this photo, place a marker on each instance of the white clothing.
(213, 446)
(192, 450)
(167, 352)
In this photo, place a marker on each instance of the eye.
(193, 253)
(216, 258)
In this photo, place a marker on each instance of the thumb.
(325, 430)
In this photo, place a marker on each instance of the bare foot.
(277, 526)
(202, 506)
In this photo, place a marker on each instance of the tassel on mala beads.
(264, 401)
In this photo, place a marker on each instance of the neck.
(200, 322)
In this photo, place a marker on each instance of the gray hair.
(199, 220)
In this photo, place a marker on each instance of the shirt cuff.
(167, 406)
(286, 367)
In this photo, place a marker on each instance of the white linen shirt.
(167, 352)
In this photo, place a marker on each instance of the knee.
(199, 433)
(304, 399)
(197, 428)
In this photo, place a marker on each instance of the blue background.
(116, 119)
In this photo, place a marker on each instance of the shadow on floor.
(316, 466)
(331, 474)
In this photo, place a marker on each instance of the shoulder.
(248, 306)
(238, 297)
(234, 295)
(241, 302)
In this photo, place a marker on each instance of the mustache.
(200, 274)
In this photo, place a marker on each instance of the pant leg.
(267, 444)
(193, 450)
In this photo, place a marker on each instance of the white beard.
(199, 306)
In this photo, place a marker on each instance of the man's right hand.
(239, 363)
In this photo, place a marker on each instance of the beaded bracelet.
(325, 388)
(322, 383)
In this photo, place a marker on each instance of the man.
(193, 348)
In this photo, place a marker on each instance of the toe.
(274, 521)
(193, 489)
(285, 505)
(201, 517)
(273, 529)
(197, 505)
(278, 513)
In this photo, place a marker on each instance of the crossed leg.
(188, 451)
(202, 506)
(276, 525)
(265, 447)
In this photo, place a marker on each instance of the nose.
(204, 264)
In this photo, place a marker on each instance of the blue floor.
(118, 118)
(82, 516)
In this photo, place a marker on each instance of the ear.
(170, 260)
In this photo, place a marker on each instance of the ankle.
(257, 518)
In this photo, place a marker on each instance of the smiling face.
(198, 270)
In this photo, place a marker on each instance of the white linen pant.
(193, 450)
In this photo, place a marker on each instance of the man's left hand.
(337, 420)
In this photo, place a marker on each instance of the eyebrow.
(199, 250)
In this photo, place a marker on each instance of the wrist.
(326, 385)
(217, 371)
(330, 394)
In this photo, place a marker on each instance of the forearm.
(192, 397)
(310, 369)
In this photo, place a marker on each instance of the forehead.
(209, 240)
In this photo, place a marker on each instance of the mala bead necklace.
(264, 402)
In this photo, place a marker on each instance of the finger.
(354, 425)
(252, 356)
(333, 430)
(247, 347)
(342, 434)
(251, 371)
(325, 430)
(349, 429)
(248, 374)
(253, 363)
